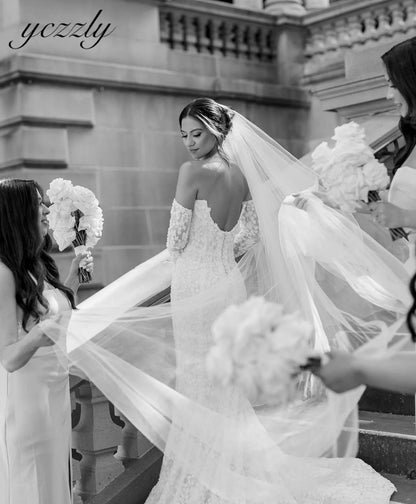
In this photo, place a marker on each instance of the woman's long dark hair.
(215, 117)
(22, 248)
(400, 63)
(412, 312)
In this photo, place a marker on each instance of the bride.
(233, 199)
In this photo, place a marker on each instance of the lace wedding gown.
(35, 425)
(226, 468)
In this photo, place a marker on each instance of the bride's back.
(224, 188)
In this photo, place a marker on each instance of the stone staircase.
(387, 443)
(388, 439)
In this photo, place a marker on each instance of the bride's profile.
(232, 200)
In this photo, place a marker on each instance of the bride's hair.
(215, 117)
(21, 247)
(400, 63)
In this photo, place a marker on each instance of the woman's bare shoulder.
(7, 282)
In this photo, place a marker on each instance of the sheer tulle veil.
(317, 262)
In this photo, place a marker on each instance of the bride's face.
(200, 142)
(394, 94)
(43, 212)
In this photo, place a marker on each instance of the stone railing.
(351, 24)
(104, 443)
(218, 29)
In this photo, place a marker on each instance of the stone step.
(406, 489)
(388, 442)
(387, 402)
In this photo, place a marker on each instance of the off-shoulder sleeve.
(248, 234)
(178, 232)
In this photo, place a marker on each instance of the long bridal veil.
(316, 262)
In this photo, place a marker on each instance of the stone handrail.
(218, 29)
(351, 24)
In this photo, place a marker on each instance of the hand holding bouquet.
(75, 218)
(349, 170)
(260, 349)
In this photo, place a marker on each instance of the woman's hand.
(84, 260)
(387, 214)
(341, 373)
(47, 332)
(301, 200)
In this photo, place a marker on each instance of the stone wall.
(106, 117)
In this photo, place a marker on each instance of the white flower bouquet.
(349, 170)
(260, 349)
(75, 218)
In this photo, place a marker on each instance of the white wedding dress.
(35, 425)
(204, 255)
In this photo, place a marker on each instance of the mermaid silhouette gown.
(220, 470)
(35, 424)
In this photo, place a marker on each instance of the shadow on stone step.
(134, 484)
(387, 402)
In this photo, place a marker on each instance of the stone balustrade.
(222, 30)
(104, 442)
(353, 24)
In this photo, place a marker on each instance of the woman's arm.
(15, 353)
(186, 187)
(84, 260)
(346, 371)
(392, 216)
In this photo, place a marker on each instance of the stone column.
(294, 7)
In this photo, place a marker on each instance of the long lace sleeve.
(248, 234)
(178, 232)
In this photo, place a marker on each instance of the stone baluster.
(260, 43)
(225, 39)
(384, 29)
(176, 31)
(95, 437)
(293, 7)
(331, 42)
(243, 37)
(205, 31)
(355, 29)
(217, 31)
(165, 19)
(133, 444)
(370, 30)
(398, 25)
(250, 43)
(197, 33)
(344, 38)
(410, 23)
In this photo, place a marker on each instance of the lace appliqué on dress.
(178, 232)
(249, 229)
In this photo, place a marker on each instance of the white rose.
(246, 379)
(59, 189)
(350, 130)
(219, 366)
(375, 175)
(321, 155)
(84, 199)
